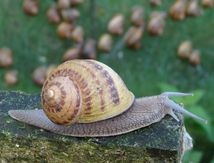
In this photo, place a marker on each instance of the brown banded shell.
(84, 91)
(105, 42)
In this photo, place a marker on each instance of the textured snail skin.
(143, 112)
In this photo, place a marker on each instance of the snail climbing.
(86, 98)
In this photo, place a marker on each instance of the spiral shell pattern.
(84, 91)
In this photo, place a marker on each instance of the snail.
(11, 77)
(6, 57)
(72, 53)
(195, 58)
(86, 98)
(193, 8)
(178, 10)
(156, 23)
(155, 2)
(53, 14)
(137, 16)
(77, 34)
(64, 30)
(105, 42)
(185, 49)
(208, 3)
(116, 25)
(31, 7)
(70, 14)
(133, 37)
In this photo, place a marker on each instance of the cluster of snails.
(86, 98)
(186, 51)
(6, 61)
(182, 8)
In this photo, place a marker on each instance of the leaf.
(199, 111)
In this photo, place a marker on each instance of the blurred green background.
(152, 69)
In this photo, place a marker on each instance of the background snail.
(86, 98)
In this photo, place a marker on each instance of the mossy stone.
(20, 142)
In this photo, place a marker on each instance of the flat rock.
(164, 141)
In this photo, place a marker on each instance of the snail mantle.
(164, 141)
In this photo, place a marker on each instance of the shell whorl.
(84, 91)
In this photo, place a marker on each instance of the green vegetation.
(34, 42)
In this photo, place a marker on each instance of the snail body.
(86, 98)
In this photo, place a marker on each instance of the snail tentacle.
(171, 94)
(176, 107)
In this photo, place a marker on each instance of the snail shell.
(194, 8)
(94, 99)
(116, 25)
(178, 10)
(75, 93)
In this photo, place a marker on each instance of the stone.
(164, 141)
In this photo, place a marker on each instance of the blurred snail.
(185, 49)
(156, 23)
(193, 8)
(133, 37)
(31, 7)
(11, 77)
(86, 98)
(6, 59)
(64, 30)
(50, 68)
(137, 16)
(208, 3)
(194, 58)
(178, 10)
(89, 49)
(62, 4)
(116, 24)
(39, 75)
(72, 53)
(76, 2)
(105, 42)
(155, 2)
(53, 14)
(77, 34)
(70, 14)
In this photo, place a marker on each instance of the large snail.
(86, 98)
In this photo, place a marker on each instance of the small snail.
(86, 98)
(133, 37)
(208, 3)
(116, 25)
(178, 10)
(105, 42)
(155, 2)
(53, 14)
(77, 34)
(195, 58)
(156, 23)
(6, 57)
(185, 49)
(137, 16)
(31, 7)
(72, 53)
(193, 8)
(64, 30)
(11, 77)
